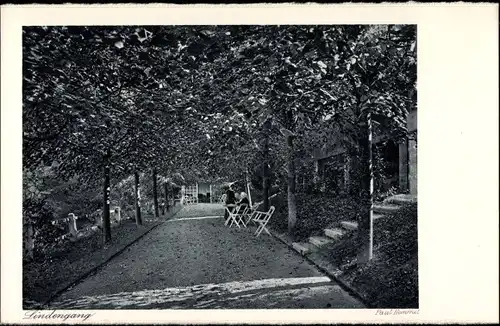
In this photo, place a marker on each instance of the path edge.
(99, 266)
(331, 272)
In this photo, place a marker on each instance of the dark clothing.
(244, 203)
(230, 197)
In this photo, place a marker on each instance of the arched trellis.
(190, 194)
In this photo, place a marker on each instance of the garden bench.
(74, 233)
(71, 223)
(116, 213)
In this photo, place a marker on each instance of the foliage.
(279, 219)
(319, 211)
(67, 262)
(45, 233)
(98, 95)
(393, 273)
(194, 99)
(47, 198)
(132, 84)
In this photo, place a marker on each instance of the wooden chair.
(240, 213)
(230, 208)
(236, 215)
(262, 218)
(251, 213)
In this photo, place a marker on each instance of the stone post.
(321, 174)
(316, 171)
(347, 169)
(73, 230)
(118, 214)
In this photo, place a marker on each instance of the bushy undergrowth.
(390, 280)
(38, 215)
(279, 220)
(315, 212)
(41, 278)
(48, 197)
(319, 211)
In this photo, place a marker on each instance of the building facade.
(400, 157)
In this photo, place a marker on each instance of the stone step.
(349, 225)
(334, 233)
(385, 208)
(401, 199)
(319, 241)
(303, 248)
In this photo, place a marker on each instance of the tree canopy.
(183, 96)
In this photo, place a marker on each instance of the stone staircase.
(331, 235)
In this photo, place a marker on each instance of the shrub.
(39, 214)
(319, 211)
(279, 221)
(396, 235)
(390, 280)
(315, 211)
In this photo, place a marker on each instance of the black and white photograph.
(182, 167)
(249, 164)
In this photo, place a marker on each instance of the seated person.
(243, 202)
(230, 200)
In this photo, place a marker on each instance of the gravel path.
(191, 262)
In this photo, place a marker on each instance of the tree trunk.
(138, 218)
(316, 173)
(265, 174)
(365, 228)
(155, 194)
(29, 241)
(106, 223)
(247, 180)
(165, 185)
(355, 170)
(347, 172)
(292, 205)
